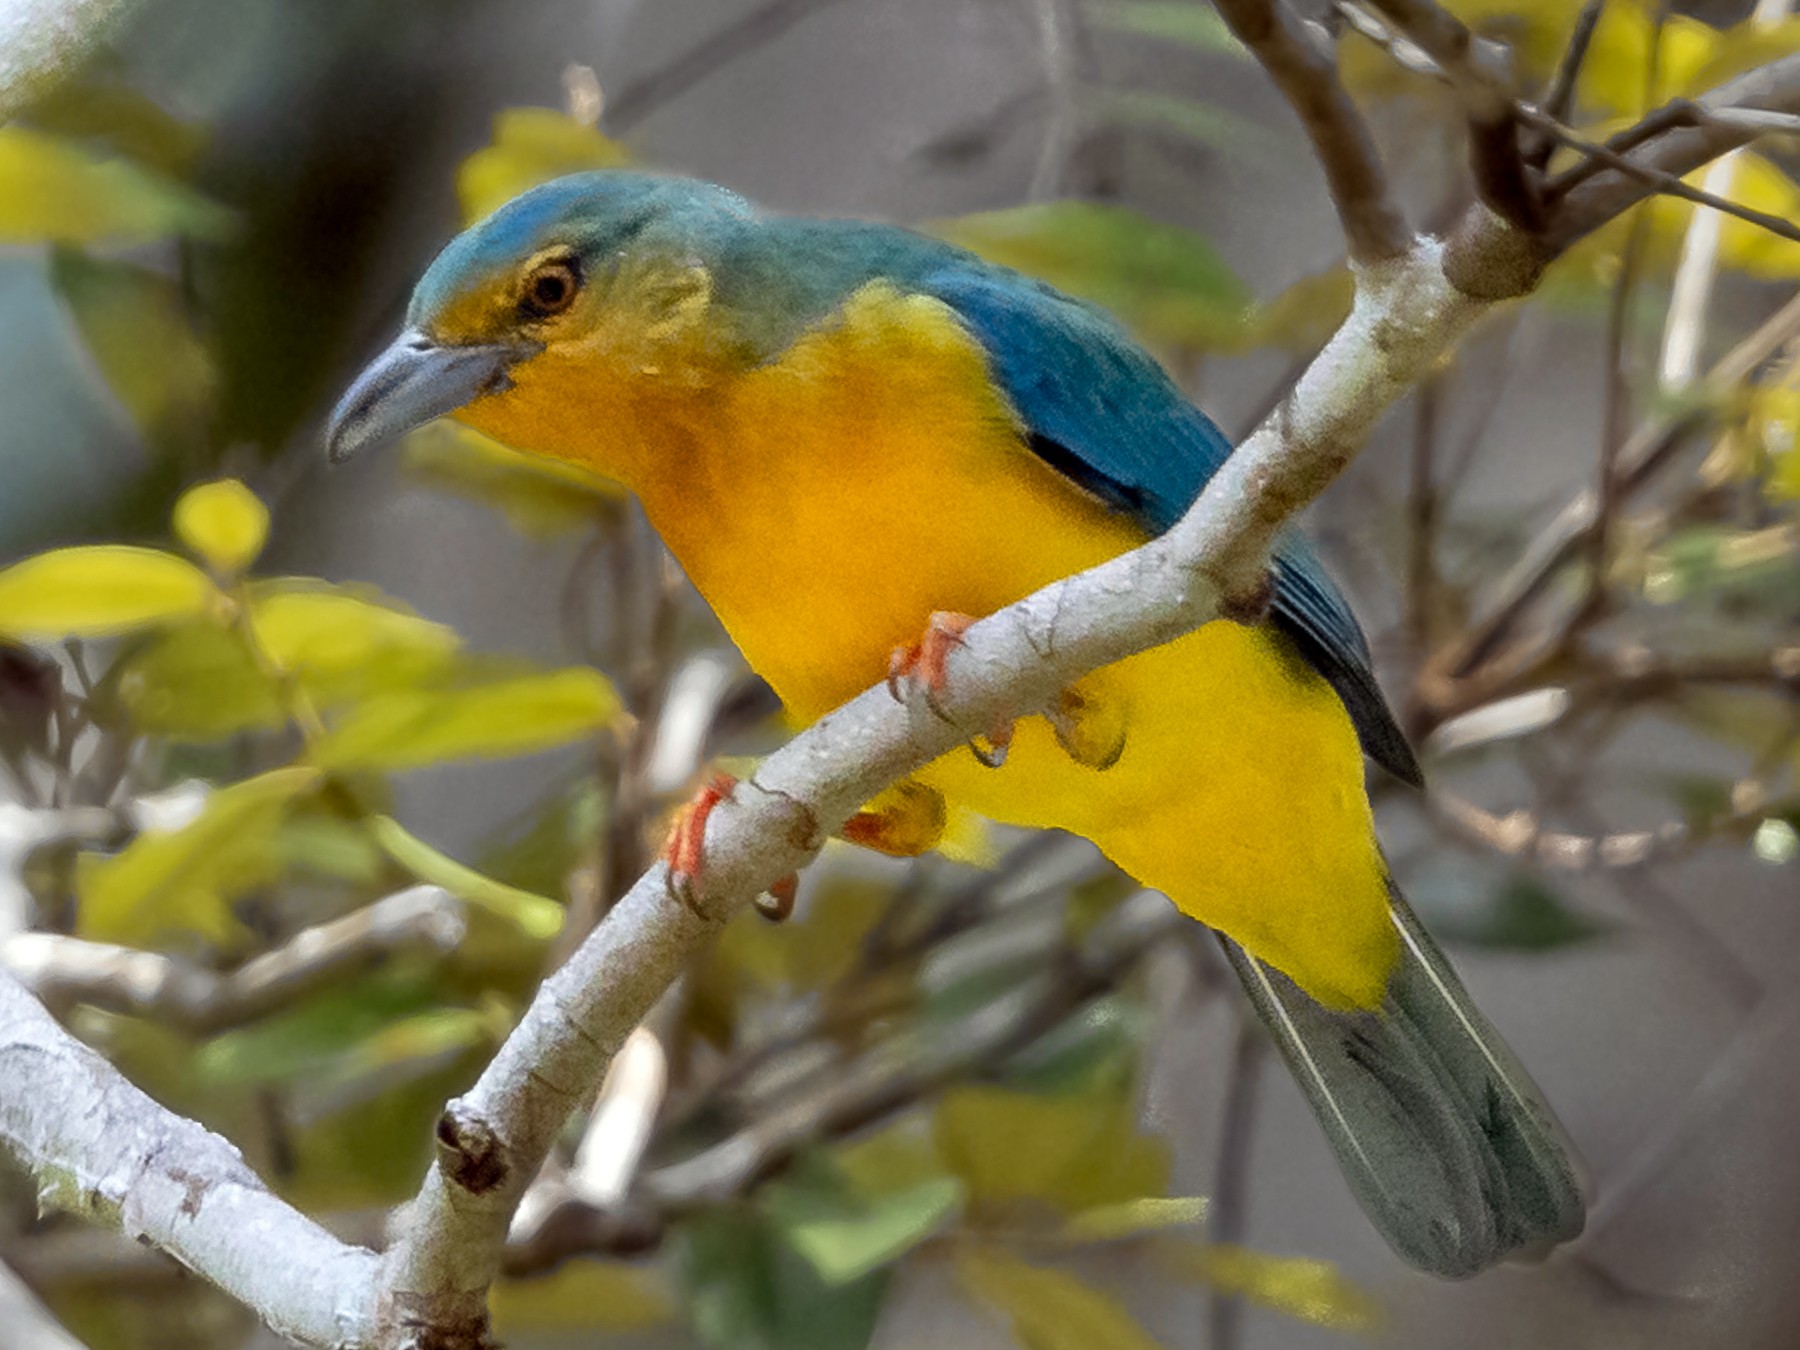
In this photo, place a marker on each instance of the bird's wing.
(1103, 413)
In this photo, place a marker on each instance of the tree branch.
(101, 1148)
(61, 969)
(1306, 74)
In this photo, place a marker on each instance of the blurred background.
(978, 1099)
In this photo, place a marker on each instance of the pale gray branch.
(61, 970)
(101, 1148)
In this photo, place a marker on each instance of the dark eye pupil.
(550, 291)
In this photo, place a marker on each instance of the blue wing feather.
(1102, 412)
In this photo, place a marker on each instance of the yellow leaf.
(1305, 1289)
(99, 591)
(1049, 1309)
(224, 523)
(534, 915)
(343, 641)
(52, 190)
(584, 1297)
(508, 716)
(166, 883)
(541, 497)
(198, 682)
(531, 146)
(1070, 1152)
(134, 323)
(1133, 1218)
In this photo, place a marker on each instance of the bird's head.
(516, 325)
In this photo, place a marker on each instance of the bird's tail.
(1444, 1138)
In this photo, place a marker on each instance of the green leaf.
(99, 591)
(846, 1235)
(514, 715)
(580, 1298)
(1305, 1289)
(534, 915)
(1049, 1309)
(197, 682)
(543, 498)
(166, 884)
(1167, 283)
(224, 523)
(748, 1290)
(1177, 21)
(200, 682)
(52, 190)
(1133, 1218)
(1073, 1153)
(134, 323)
(345, 642)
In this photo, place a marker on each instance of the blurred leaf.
(582, 1296)
(1619, 56)
(748, 1290)
(99, 591)
(306, 1040)
(1521, 913)
(1133, 1218)
(543, 498)
(1302, 316)
(1177, 21)
(1096, 1050)
(165, 884)
(344, 642)
(847, 1235)
(134, 323)
(52, 190)
(1311, 1291)
(224, 523)
(197, 682)
(329, 846)
(1734, 50)
(898, 1157)
(530, 146)
(1703, 559)
(534, 915)
(98, 106)
(1049, 1309)
(1073, 1153)
(339, 643)
(1167, 283)
(510, 715)
(1744, 246)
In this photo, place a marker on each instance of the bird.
(854, 438)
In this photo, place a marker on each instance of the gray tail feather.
(1443, 1137)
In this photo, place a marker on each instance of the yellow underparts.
(826, 503)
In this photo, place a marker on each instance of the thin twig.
(60, 970)
(1228, 1215)
(706, 58)
(1559, 99)
(1304, 71)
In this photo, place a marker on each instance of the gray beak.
(409, 384)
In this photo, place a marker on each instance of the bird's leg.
(920, 667)
(905, 821)
(685, 853)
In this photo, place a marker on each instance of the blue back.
(1100, 410)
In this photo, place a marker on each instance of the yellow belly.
(826, 504)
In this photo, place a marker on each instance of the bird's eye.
(550, 288)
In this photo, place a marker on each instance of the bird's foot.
(1090, 730)
(919, 668)
(904, 822)
(685, 854)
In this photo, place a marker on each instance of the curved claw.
(685, 849)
